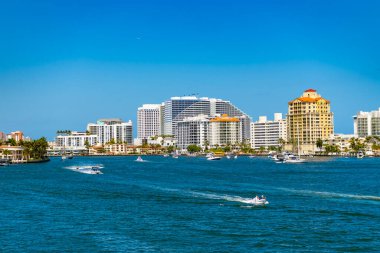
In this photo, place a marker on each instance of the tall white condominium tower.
(149, 120)
(225, 131)
(266, 133)
(112, 129)
(178, 108)
(193, 131)
(367, 124)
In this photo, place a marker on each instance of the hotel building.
(266, 133)
(17, 136)
(108, 130)
(179, 108)
(193, 131)
(225, 131)
(309, 119)
(367, 124)
(149, 120)
(3, 136)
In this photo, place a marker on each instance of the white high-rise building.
(266, 133)
(193, 131)
(149, 120)
(367, 124)
(225, 131)
(108, 130)
(179, 108)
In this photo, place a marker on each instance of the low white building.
(266, 133)
(108, 130)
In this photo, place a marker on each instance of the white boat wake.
(332, 194)
(213, 196)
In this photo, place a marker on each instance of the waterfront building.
(342, 141)
(225, 131)
(179, 108)
(108, 130)
(149, 118)
(17, 136)
(309, 118)
(75, 140)
(12, 153)
(193, 131)
(265, 133)
(367, 124)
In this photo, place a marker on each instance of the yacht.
(295, 159)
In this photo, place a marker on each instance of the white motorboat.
(294, 159)
(251, 156)
(360, 155)
(235, 157)
(92, 171)
(258, 201)
(63, 157)
(228, 157)
(166, 155)
(139, 159)
(213, 158)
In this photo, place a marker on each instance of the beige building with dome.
(309, 118)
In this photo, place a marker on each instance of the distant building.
(342, 141)
(266, 133)
(179, 108)
(149, 120)
(367, 124)
(76, 140)
(17, 136)
(3, 136)
(193, 131)
(225, 131)
(309, 118)
(108, 130)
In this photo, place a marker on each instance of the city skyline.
(77, 62)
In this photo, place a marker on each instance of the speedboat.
(64, 157)
(228, 157)
(4, 164)
(258, 201)
(92, 171)
(251, 156)
(360, 155)
(166, 155)
(213, 158)
(235, 157)
(175, 156)
(139, 159)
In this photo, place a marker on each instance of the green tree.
(319, 144)
(193, 148)
(11, 142)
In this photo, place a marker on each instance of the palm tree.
(6, 153)
(319, 144)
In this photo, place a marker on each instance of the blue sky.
(66, 63)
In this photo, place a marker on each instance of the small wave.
(333, 194)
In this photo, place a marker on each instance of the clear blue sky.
(66, 63)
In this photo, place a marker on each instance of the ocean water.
(190, 205)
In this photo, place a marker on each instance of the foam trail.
(333, 194)
(206, 195)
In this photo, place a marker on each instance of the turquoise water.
(190, 205)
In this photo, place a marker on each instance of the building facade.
(149, 118)
(367, 124)
(225, 131)
(309, 118)
(76, 140)
(17, 136)
(179, 108)
(266, 133)
(193, 131)
(108, 130)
